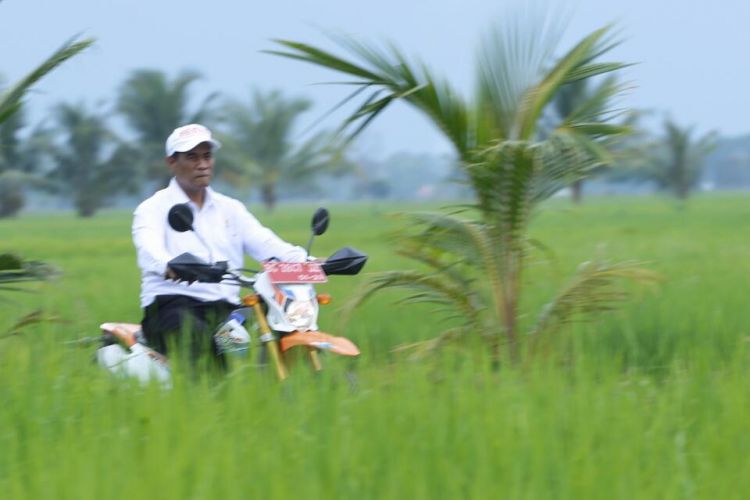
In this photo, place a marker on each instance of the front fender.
(319, 340)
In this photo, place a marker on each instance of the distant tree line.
(76, 154)
(671, 160)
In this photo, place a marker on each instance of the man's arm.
(262, 244)
(148, 237)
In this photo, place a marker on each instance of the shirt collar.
(180, 196)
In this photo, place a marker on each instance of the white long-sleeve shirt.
(225, 226)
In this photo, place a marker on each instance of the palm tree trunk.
(510, 315)
(682, 190)
(10, 203)
(268, 195)
(508, 310)
(576, 191)
(86, 210)
(512, 299)
(86, 204)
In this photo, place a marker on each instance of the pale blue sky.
(690, 52)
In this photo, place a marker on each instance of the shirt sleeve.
(262, 244)
(148, 237)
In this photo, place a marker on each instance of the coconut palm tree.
(260, 148)
(153, 106)
(677, 162)
(12, 173)
(22, 159)
(19, 159)
(14, 269)
(90, 163)
(474, 265)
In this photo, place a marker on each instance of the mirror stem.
(309, 244)
(210, 254)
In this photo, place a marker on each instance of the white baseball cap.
(187, 137)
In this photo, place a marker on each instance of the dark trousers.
(172, 319)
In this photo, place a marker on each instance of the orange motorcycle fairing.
(123, 332)
(319, 340)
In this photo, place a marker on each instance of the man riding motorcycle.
(224, 231)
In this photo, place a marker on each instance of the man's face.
(193, 169)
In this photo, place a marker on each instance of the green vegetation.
(262, 150)
(475, 265)
(90, 162)
(678, 162)
(581, 94)
(15, 271)
(18, 161)
(648, 402)
(153, 106)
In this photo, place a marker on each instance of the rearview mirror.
(180, 218)
(319, 221)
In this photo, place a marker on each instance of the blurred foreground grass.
(649, 402)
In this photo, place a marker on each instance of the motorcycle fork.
(314, 359)
(269, 339)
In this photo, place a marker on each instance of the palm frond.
(454, 270)
(571, 67)
(512, 58)
(14, 269)
(10, 100)
(598, 129)
(388, 76)
(596, 287)
(593, 106)
(32, 318)
(592, 70)
(422, 287)
(314, 55)
(470, 244)
(423, 348)
(462, 238)
(566, 157)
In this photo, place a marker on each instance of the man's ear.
(170, 161)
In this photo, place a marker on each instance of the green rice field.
(651, 401)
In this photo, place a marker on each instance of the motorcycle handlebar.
(188, 267)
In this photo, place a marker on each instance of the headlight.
(301, 314)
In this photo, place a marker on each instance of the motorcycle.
(282, 309)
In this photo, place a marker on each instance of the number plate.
(295, 272)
